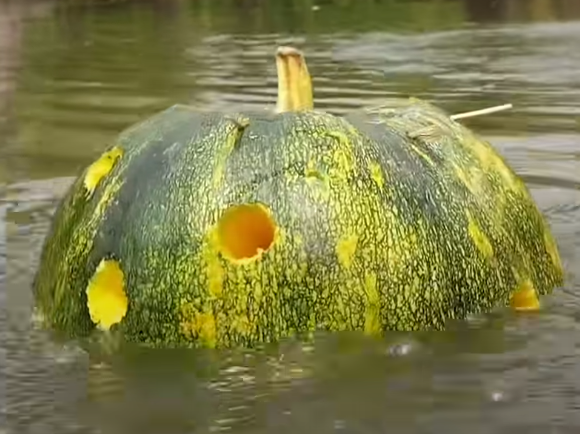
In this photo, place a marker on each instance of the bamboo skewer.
(480, 112)
(469, 114)
(429, 129)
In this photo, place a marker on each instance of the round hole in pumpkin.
(245, 231)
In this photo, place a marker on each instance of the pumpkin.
(223, 230)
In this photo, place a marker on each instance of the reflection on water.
(72, 77)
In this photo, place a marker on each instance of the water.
(72, 77)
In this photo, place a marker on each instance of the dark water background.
(72, 77)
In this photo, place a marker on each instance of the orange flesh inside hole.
(245, 231)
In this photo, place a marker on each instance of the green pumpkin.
(235, 229)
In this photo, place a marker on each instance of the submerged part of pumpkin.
(246, 231)
(106, 298)
(525, 298)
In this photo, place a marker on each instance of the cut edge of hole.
(245, 232)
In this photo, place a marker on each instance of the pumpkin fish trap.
(221, 230)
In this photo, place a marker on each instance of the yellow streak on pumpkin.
(477, 184)
(469, 179)
(478, 237)
(422, 155)
(377, 174)
(106, 298)
(346, 249)
(83, 240)
(234, 133)
(214, 273)
(101, 168)
(372, 305)
(108, 194)
(342, 158)
(490, 160)
(525, 297)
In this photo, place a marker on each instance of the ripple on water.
(532, 66)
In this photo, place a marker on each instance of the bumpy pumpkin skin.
(393, 220)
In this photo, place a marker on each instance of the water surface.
(71, 78)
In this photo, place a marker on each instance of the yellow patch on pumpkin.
(106, 298)
(479, 238)
(346, 249)
(376, 174)
(201, 325)
(525, 297)
(101, 168)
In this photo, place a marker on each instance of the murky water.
(72, 78)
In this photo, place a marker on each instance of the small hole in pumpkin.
(245, 231)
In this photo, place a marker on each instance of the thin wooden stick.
(485, 111)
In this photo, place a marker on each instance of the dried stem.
(294, 82)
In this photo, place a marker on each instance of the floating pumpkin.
(234, 229)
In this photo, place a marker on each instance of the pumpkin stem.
(294, 83)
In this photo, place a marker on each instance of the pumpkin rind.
(397, 219)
